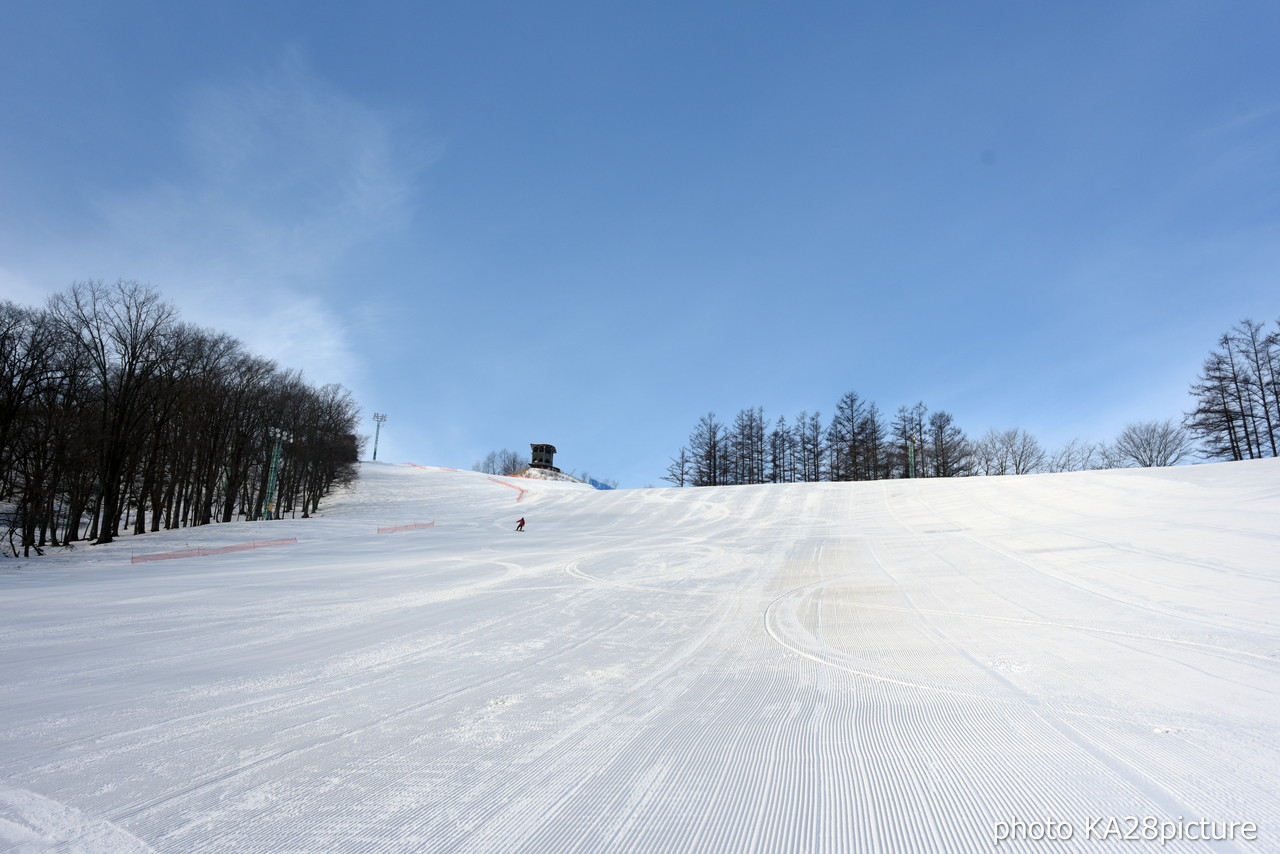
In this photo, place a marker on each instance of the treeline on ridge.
(1235, 416)
(115, 416)
(858, 443)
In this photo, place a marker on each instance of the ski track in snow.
(892, 666)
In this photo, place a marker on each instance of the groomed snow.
(891, 666)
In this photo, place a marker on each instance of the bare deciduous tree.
(1078, 455)
(1001, 452)
(1154, 443)
(125, 331)
(678, 472)
(504, 462)
(510, 462)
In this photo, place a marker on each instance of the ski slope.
(895, 666)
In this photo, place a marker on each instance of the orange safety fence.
(519, 489)
(238, 547)
(412, 527)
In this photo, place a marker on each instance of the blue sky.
(590, 223)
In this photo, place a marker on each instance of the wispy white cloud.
(290, 171)
(280, 177)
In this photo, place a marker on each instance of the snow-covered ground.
(892, 666)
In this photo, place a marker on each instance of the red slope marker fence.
(238, 547)
(519, 489)
(413, 527)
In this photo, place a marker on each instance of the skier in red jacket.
(520, 524)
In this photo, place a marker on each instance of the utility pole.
(377, 431)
